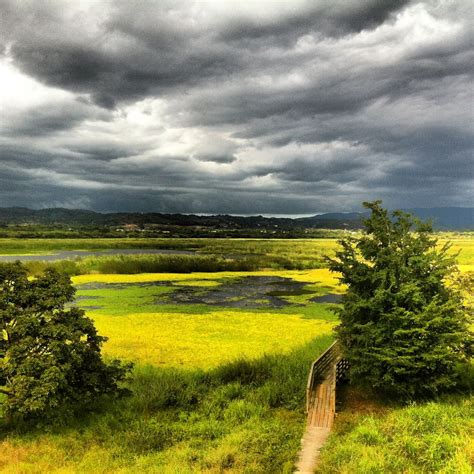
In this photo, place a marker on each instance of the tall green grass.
(246, 416)
(134, 264)
(433, 437)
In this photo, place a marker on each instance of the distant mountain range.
(444, 218)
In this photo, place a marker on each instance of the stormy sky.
(235, 106)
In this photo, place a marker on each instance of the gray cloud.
(276, 108)
(46, 118)
(331, 18)
(148, 49)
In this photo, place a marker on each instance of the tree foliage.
(403, 327)
(50, 355)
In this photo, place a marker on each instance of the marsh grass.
(306, 252)
(213, 255)
(126, 309)
(135, 264)
(205, 338)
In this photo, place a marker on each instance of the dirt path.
(312, 442)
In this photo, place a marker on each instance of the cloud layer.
(235, 107)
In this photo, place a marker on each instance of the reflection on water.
(70, 254)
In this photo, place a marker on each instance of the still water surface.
(71, 254)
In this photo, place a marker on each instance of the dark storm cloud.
(128, 58)
(204, 106)
(329, 17)
(158, 51)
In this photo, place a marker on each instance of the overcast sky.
(234, 106)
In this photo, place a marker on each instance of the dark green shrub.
(50, 356)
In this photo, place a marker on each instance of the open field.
(221, 365)
(181, 334)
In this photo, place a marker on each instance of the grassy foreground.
(243, 416)
(432, 437)
(218, 389)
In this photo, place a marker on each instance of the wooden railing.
(341, 369)
(330, 359)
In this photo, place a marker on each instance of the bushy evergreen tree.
(50, 360)
(403, 326)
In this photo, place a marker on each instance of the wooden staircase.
(324, 374)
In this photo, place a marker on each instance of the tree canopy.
(50, 355)
(404, 327)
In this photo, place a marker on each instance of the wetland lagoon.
(221, 347)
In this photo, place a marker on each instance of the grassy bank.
(245, 416)
(374, 437)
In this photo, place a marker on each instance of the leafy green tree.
(403, 326)
(50, 359)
